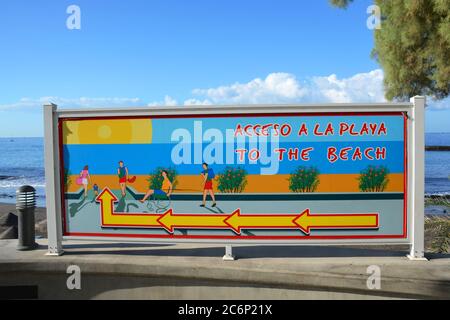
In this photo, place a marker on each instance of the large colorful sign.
(235, 176)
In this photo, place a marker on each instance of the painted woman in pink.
(85, 179)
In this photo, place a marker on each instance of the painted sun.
(107, 131)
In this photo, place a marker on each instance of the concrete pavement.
(197, 271)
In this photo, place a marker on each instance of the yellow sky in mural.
(107, 131)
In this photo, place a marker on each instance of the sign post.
(258, 174)
(417, 178)
(52, 182)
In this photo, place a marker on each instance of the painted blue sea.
(22, 159)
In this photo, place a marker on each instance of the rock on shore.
(9, 221)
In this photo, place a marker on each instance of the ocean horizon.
(22, 162)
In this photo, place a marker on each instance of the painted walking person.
(122, 173)
(208, 176)
(84, 179)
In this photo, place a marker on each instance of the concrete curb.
(400, 278)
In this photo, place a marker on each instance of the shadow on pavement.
(88, 245)
(241, 252)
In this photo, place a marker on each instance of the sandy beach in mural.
(255, 183)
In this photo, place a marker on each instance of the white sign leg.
(52, 181)
(229, 254)
(417, 183)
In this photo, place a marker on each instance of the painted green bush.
(232, 180)
(155, 178)
(373, 179)
(304, 179)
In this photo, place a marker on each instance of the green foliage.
(304, 179)
(232, 180)
(439, 227)
(155, 178)
(67, 181)
(413, 47)
(437, 201)
(373, 179)
(341, 3)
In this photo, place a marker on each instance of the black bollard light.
(25, 204)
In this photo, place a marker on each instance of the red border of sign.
(238, 237)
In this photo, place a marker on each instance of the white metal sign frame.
(414, 110)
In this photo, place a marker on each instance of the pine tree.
(413, 47)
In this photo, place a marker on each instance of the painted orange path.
(255, 183)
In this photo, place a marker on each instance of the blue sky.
(130, 53)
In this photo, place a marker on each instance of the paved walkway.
(277, 272)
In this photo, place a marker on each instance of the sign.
(311, 174)
(295, 176)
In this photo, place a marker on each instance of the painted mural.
(296, 176)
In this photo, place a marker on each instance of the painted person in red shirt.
(208, 176)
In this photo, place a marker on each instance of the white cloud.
(439, 105)
(274, 88)
(362, 87)
(168, 101)
(286, 88)
(82, 102)
(197, 102)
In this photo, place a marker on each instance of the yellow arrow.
(114, 219)
(236, 221)
(169, 221)
(306, 221)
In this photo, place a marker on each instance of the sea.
(22, 159)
